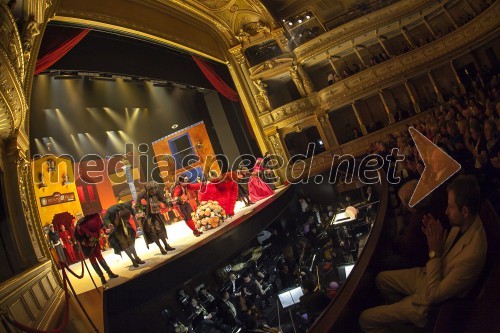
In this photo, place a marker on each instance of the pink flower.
(144, 202)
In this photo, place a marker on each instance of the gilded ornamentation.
(30, 31)
(243, 37)
(24, 176)
(271, 68)
(270, 64)
(10, 42)
(323, 120)
(238, 55)
(256, 28)
(262, 98)
(214, 4)
(275, 144)
(294, 74)
(266, 119)
(291, 108)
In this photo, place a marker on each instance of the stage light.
(124, 136)
(300, 21)
(39, 146)
(290, 23)
(63, 122)
(114, 115)
(308, 17)
(174, 126)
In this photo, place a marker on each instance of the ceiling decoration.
(230, 17)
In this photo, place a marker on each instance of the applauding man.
(455, 262)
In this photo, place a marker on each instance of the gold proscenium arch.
(205, 27)
(208, 28)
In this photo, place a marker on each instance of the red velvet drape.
(216, 81)
(221, 87)
(58, 49)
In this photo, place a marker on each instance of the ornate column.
(335, 68)
(277, 147)
(246, 91)
(262, 97)
(327, 131)
(390, 116)
(429, 27)
(380, 40)
(294, 74)
(355, 48)
(411, 92)
(358, 117)
(436, 88)
(457, 77)
(449, 16)
(308, 86)
(279, 36)
(26, 230)
(407, 37)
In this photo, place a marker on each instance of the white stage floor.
(179, 236)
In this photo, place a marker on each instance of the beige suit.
(452, 275)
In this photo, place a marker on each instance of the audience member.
(455, 262)
(314, 302)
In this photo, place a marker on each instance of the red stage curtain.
(222, 87)
(216, 81)
(59, 49)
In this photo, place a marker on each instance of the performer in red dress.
(87, 232)
(257, 188)
(221, 189)
(68, 244)
(181, 200)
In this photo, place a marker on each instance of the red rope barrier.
(78, 276)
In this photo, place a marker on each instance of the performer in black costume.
(153, 221)
(122, 235)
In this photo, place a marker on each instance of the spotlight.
(174, 126)
(290, 23)
(300, 21)
(308, 16)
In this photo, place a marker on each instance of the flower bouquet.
(209, 215)
(139, 207)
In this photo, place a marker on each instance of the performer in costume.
(123, 234)
(153, 221)
(68, 244)
(242, 179)
(257, 188)
(87, 233)
(55, 241)
(181, 200)
(221, 189)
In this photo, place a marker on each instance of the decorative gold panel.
(271, 68)
(285, 115)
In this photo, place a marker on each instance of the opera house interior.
(249, 166)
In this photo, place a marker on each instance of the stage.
(179, 236)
